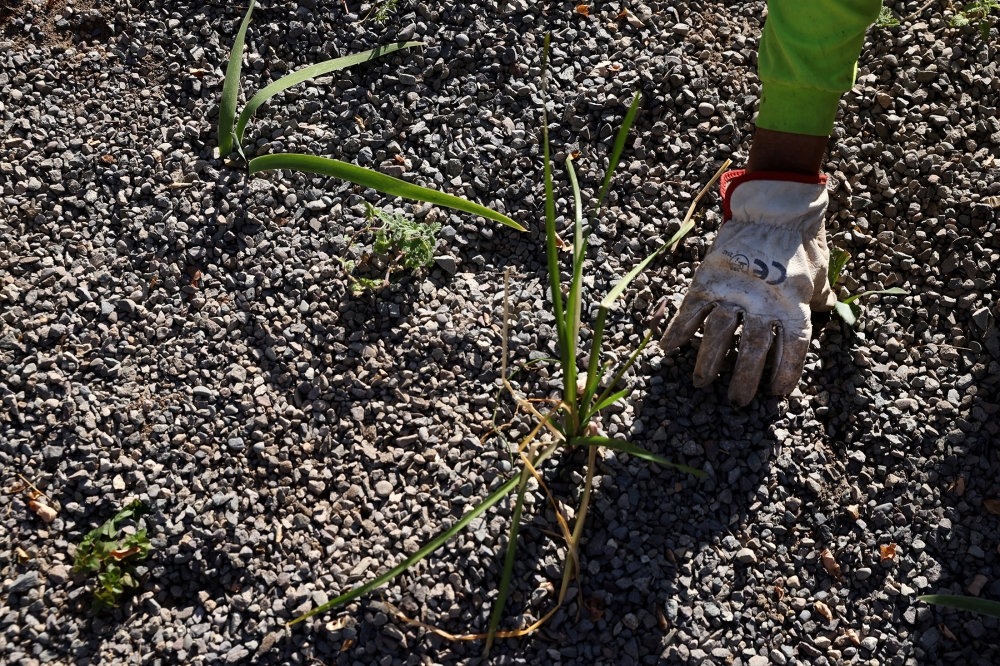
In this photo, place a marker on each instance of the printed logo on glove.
(766, 271)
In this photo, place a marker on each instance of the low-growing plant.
(380, 12)
(570, 422)
(886, 19)
(849, 309)
(112, 557)
(231, 131)
(977, 12)
(403, 242)
(982, 606)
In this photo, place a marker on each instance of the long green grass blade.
(431, 546)
(893, 291)
(508, 563)
(610, 400)
(838, 259)
(231, 87)
(616, 150)
(575, 297)
(621, 371)
(633, 450)
(983, 606)
(310, 72)
(847, 311)
(376, 181)
(552, 252)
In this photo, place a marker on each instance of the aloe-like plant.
(231, 131)
(569, 422)
(848, 309)
(982, 606)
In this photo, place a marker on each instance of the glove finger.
(686, 322)
(789, 359)
(720, 327)
(754, 343)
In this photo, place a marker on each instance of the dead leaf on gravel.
(583, 10)
(347, 645)
(22, 556)
(123, 553)
(109, 159)
(993, 506)
(960, 486)
(830, 564)
(992, 202)
(43, 511)
(661, 620)
(337, 624)
(779, 592)
(853, 512)
(198, 72)
(943, 628)
(888, 552)
(824, 610)
(853, 636)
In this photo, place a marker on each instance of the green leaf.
(847, 311)
(838, 259)
(508, 563)
(376, 181)
(575, 298)
(633, 450)
(894, 291)
(983, 606)
(984, 28)
(617, 290)
(610, 400)
(310, 72)
(426, 550)
(619, 145)
(551, 250)
(231, 87)
(886, 18)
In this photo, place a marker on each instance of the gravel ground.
(174, 332)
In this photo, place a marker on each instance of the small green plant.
(848, 309)
(113, 557)
(978, 12)
(231, 136)
(982, 606)
(572, 421)
(405, 244)
(886, 19)
(380, 12)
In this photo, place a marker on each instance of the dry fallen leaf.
(596, 608)
(198, 72)
(583, 10)
(337, 624)
(661, 620)
(123, 553)
(853, 636)
(993, 506)
(824, 610)
(347, 645)
(779, 592)
(853, 512)
(22, 556)
(888, 552)
(830, 564)
(960, 486)
(992, 202)
(673, 558)
(946, 631)
(44, 511)
(108, 159)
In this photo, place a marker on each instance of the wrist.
(785, 152)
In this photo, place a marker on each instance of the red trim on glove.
(731, 179)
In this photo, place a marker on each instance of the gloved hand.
(766, 270)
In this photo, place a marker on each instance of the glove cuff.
(735, 177)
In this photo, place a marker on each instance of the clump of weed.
(976, 12)
(112, 557)
(886, 19)
(848, 309)
(405, 243)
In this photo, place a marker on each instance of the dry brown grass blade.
(694, 204)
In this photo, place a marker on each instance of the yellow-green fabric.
(808, 58)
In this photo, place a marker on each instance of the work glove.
(766, 270)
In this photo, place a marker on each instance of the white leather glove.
(766, 270)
